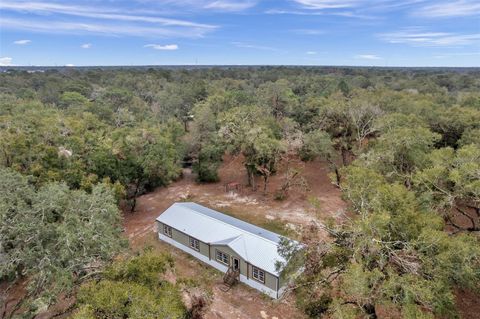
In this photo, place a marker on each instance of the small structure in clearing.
(245, 252)
(234, 187)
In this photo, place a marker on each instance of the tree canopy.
(55, 236)
(403, 146)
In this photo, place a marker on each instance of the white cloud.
(418, 37)
(376, 9)
(60, 27)
(86, 46)
(230, 5)
(327, 4)
(308, 31)
(70, 65)
(368, 57)
(108, 21)
(166, 47)
(93, 12)
(22, 42)
(182, 6)
(311, 52)
(377, 5)
(451, 9)
(254, 46)
(341, 13)
(6, 61)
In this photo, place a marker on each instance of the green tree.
(344, 88)
(51, 235)
(147, 158)
(335, 119)
(132, 288)
(394, 256)
(118, 98)
(470, 136)
(401, 151)
(179, 100)
(318, 143)
(452, 122)
(205, 144)
(72, 99)
(246, 130)
(277, 97)
(450, 184)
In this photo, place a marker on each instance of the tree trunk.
(7, 159)
(199, 163)
(337, 171)
(337, 176)
(135, 194)
(370, 311)
(251, 176)
(344, 156)
(134, 203)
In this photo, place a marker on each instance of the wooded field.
(78, 146)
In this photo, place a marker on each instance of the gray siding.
(270, 279)
(184, 239)
(231, 253)
(245, 268)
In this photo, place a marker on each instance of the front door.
(235, 263)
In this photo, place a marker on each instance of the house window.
(258, 274)
(222, 257)
(194, 243)
(167, 230)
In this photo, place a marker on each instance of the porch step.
(230, 278)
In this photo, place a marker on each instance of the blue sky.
(289, 32)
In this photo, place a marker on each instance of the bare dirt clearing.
(254, 207)
(282, 216)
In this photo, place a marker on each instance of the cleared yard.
(286, 216)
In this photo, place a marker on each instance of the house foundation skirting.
(250, 282)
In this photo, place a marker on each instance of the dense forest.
(79, 146)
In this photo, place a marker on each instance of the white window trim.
(221, 259)
(167, 230)
(258, 277)
(193, 243)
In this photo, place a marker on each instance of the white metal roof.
(254, 244)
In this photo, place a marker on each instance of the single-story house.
(225, 243)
